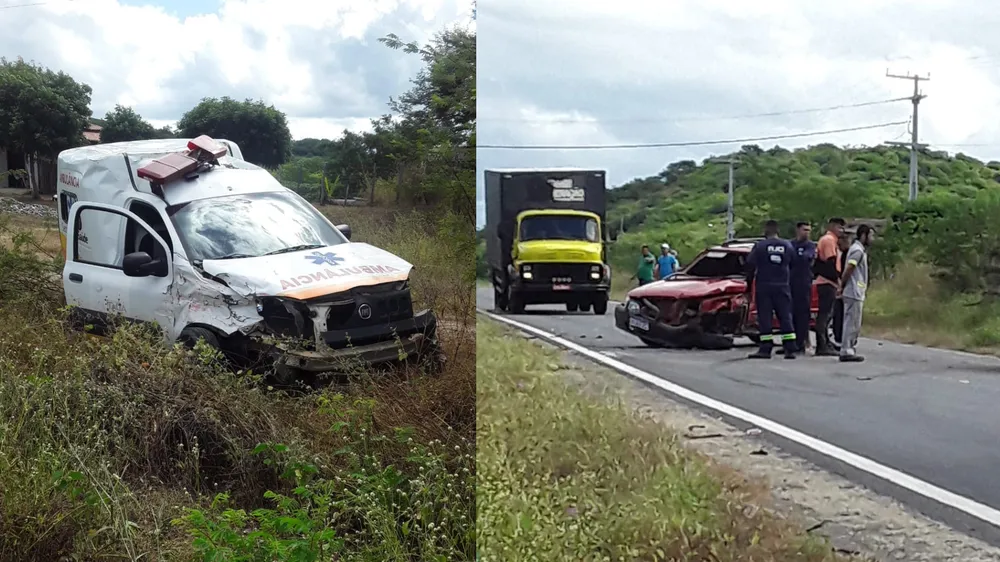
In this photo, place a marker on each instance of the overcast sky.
(319, 61)
(572, 72)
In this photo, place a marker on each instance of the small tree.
(124, 124)
(259, 129)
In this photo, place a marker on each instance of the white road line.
(899, 478)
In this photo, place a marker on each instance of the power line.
(712, 118)
(690, 143)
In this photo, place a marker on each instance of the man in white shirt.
(853, 286)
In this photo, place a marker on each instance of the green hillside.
(685, 204)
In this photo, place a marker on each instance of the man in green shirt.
(646, 264)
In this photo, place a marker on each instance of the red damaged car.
(705, 305)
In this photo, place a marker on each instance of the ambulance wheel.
(190, 336)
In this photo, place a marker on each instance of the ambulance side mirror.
(141, 264)
(345, 230)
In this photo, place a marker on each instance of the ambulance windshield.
(245, 226)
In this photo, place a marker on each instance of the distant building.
(11, 160)
(92, 134)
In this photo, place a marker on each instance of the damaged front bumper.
(690, 334)
(367, 346)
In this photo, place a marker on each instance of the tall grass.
(568, 476)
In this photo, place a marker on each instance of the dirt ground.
(856, 520)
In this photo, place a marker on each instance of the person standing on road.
(644, 273)
(854, 285)
(827, 283)
(801, 283)
(771, 260)
(843, 244)
(666, 264)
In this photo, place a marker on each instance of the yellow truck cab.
(546, 239)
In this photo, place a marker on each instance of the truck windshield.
(244, 226)
(556, 227)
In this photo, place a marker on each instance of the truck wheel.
(585, 307)
(499, 299)
(601, 306)
(572, 307)
(515, 302)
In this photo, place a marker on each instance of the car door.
(94, 280)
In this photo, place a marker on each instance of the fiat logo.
(365, 311)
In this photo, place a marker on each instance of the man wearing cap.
(666, 264)
(770, 261)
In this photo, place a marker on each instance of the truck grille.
(561, 273)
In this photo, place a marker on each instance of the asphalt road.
(933, 414)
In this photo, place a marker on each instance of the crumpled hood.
(311, 273)
(689, 288)
(559, 250)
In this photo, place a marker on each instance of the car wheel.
(190, 336)
(651, 343)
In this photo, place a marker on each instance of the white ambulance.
(185, 234)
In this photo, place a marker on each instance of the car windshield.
(243, 226)
(558, 227)
(713, 264)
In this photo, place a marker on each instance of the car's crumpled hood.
(689, 288)
(310, 273)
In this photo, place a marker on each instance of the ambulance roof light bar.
(169, 168)
(178, 165)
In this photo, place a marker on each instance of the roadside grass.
(568, 476)
(120, 448)
(912, 308)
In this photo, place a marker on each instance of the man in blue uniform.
(770, 261)
(801, 283)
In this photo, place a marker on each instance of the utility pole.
(914, 143)
(730, 220)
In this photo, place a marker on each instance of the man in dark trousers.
(801, 283)
(770, 261)
(827, 271)
(838, 306)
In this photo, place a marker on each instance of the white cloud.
(317, 60)
(646, 71)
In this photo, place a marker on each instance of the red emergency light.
(175, 166)
(167, 169)
(206, 145)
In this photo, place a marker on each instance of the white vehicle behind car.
(187, 235)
